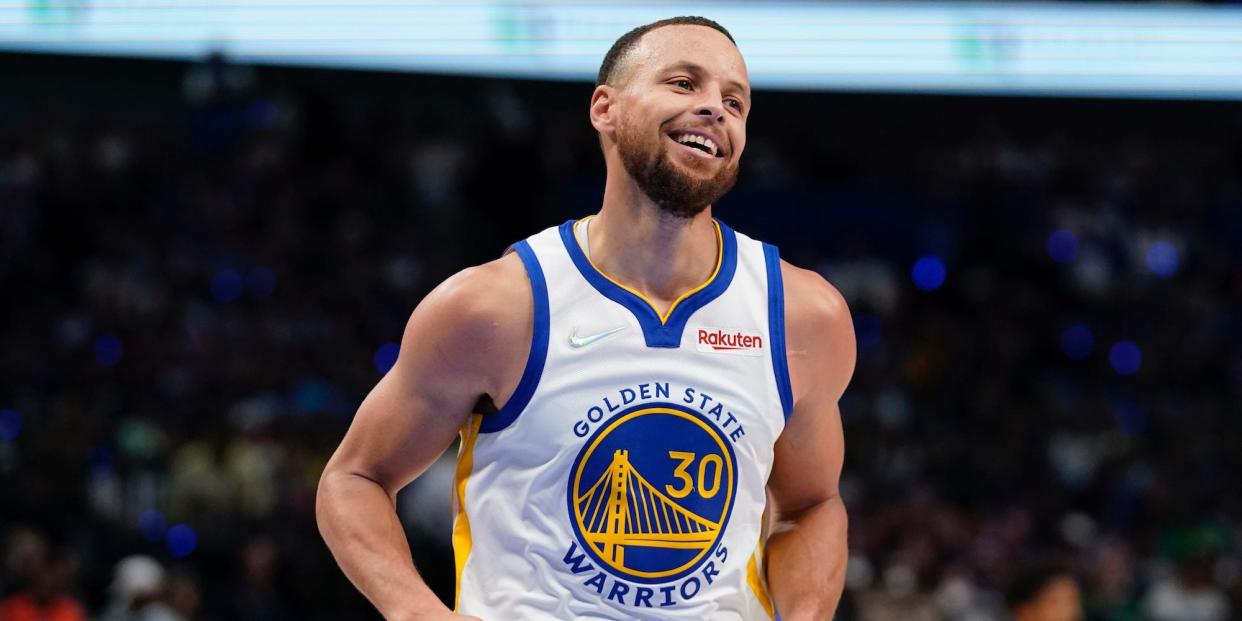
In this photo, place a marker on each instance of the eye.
(683, 83)
(737, 104)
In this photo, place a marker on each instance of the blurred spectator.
(139, 592)
(44, 580)
(1040, 591)
(1111, 593)
(1188, 594)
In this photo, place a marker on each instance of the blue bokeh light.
(1077, 341)
(261, 282)
(182, 540)
(385, 357)
(1163, 259)
(10, 424)
(108, 350)
(226, 286)
(152, 524)
(928, 273)
(867, 331)
(1125, 357)
(1062, 246)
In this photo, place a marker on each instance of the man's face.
(684, 96)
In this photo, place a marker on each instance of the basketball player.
(639, 393)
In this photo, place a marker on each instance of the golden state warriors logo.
(651, 491)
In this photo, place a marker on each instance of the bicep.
(810, 452)
(412, 415)
(808, 458)
(402, 426)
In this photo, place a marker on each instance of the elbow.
(343, 490)
(833, 504)
(323, 495)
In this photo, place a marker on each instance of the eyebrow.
(696, 69)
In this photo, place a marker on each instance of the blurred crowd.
(207, 267)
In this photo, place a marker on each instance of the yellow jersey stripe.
(756, 585)
(461, 522)
(753, 575)
(673, 306)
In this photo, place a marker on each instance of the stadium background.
(205, 265)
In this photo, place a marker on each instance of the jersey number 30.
(710, 461)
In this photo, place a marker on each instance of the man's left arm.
(807, 548)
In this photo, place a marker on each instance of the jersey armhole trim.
(538, 346)
(776, 327)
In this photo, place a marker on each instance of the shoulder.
(481, 294)
(478, 320)
(811, 302)
(819, 332)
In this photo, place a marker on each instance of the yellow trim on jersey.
(753, 576)
(669, 312)
(756, 585)
(461, 522)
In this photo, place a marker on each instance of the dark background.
(204, 268)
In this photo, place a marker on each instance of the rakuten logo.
(721, 341)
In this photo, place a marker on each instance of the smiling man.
(646, 399)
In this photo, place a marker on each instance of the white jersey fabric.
(626, 476)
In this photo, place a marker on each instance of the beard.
(673, 191)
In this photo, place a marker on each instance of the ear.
(602, 117)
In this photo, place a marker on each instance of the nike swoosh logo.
(576, 341)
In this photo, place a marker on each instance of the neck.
(636, 243)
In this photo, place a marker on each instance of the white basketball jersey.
(626, 476)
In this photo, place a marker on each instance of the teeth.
(696, 139)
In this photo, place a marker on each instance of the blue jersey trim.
(538, 346)
(655, 332)
(776, 327)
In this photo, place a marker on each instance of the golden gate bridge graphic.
(623, 509)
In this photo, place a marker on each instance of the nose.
(709, 105)
(710, 111)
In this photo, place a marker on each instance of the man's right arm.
(468, 337)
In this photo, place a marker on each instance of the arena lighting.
(1037, 48)
(182, 540)
(1163, 259)
(108, 350)
(928, 273)
(385, 357)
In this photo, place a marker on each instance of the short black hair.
(623, 45)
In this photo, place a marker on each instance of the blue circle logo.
(651, 491)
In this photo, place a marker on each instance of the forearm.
(358, 521)
(806, 557)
